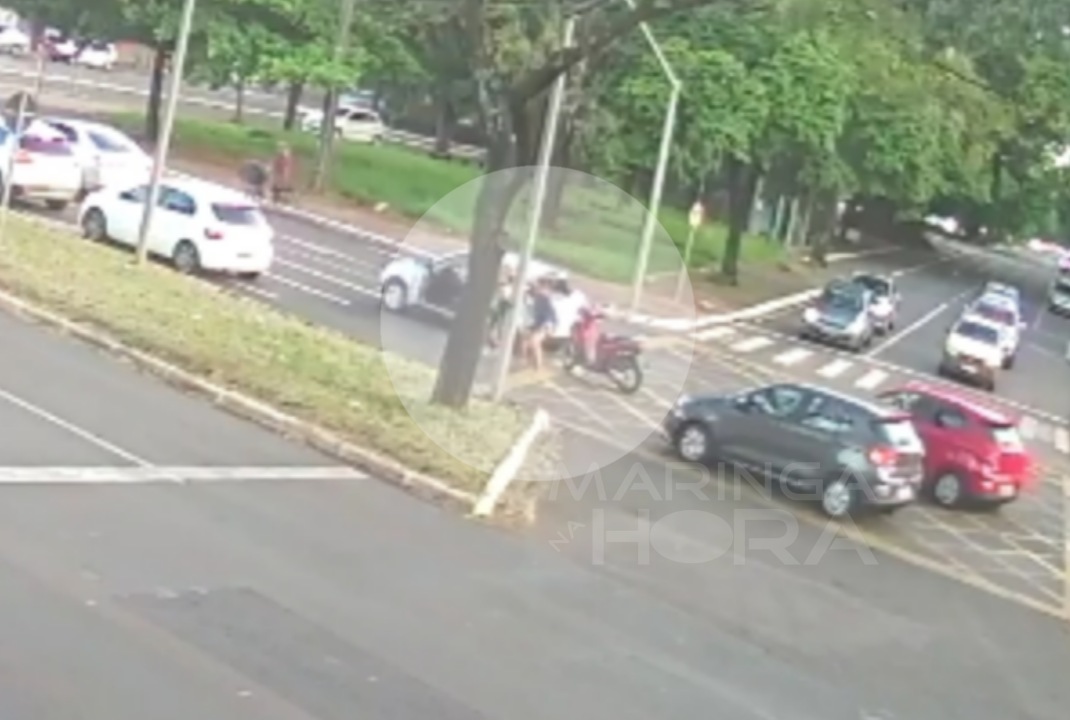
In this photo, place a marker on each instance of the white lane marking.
(360, 274)
(325, 277)
(73, 429)
(326, 252)
(89, 475)
(310, 290)
(835, 368)
(752, 344)
(1062, 440)
(793, 356)
(871, 380)
(1028, 427)
(714, 333)
(917, 324)
(914, 268)
(253, 290)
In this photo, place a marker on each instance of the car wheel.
(1008, 363)
(947, 490)
(693, 442)
(56, 205)
(395, 295)
(249, 276)
(838, 499)
(185, 258)
(94, 226)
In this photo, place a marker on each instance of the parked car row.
(984, 340)
(58, 47)
(850, 312)
(849, 455)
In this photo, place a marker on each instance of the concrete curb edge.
(263, 414)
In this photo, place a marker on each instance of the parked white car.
(972, 352)
(106, 155)
(97, 55)
(1004, 313)
(198, 226)
(436, 283)
(356, 124)
(13, 41)
(43, 166)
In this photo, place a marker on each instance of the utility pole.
(327, 126)
(163, 142)
(542, 176)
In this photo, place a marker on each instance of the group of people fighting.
(552, 307)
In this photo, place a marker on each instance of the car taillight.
(883, 456)
(210, 234)
(23, 158)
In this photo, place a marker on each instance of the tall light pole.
(542, 176)
(327, 125)
(163, 142)
(667, 132)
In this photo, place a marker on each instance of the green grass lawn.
(596, 235)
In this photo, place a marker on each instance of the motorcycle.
(617, 356)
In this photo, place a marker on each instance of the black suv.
(845, 453)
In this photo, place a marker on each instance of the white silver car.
(43, 166)
(198, 225)
(1004, 313)
(97, 55)
(357, 124)
(106, 155)
(972, 352)
(13, 41)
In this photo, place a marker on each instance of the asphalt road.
(302, 596)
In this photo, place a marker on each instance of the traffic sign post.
(694, 222)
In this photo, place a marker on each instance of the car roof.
(976, 319)
(980, 410)
(871, 407)
(90, 126)
(996, 300)
(202, 188)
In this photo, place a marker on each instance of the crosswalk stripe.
(871, 380)
(714, 333)
(1062, 440)
(793, 356)
(752, 344)
(1045, 432)
(835, 368)
(1028, 427)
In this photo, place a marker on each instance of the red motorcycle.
(616, 356)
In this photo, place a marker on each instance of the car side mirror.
(743, 403)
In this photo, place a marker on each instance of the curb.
(241, 405)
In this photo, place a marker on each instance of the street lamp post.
(163, 142)
(546, 150)
(667, 133)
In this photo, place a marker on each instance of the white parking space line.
(917, 324)
(835, 368)
(715, 333)
(1062, 440)
(64, 475)
(328, 278)
(793, 356)
(1028, 427)
(871, 380)
(310, 290)
(752, 344)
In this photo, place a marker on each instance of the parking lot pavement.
(1018, 552)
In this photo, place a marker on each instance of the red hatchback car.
(973, 453)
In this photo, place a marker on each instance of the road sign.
(697, 215)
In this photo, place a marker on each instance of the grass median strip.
(312, 373)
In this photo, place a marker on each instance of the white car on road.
(43, 166)
(1004, 313)
(357, 124)
(13, 41)
(107, 156)
(198, 225)
(972, 352)
(97, 55)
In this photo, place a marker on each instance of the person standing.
(543, 322)
(282, 168)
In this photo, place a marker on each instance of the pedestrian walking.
(282, 169)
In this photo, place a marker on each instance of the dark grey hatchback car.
(845, 453)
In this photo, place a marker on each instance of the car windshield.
(877, 286)
(108, 143)
(995, 313)
(976, 331)
(841, 298)
(236, 214)
(1006, 437)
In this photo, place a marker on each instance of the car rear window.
(45, 146)
(236, 214)
(1006, 437)
(900, 434)
(108, 144)
(977, 331)
(875, 285)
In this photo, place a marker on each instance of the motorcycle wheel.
(627, 374)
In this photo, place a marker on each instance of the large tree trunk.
(155, 99)
(825, 210)
(293, 101)
(445, 118)
(239, 101)
(742, 186)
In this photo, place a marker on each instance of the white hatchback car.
(107, 156)
(97, 55)
(43, 166)
(198, 225)
(357, 124)
(1004, 313)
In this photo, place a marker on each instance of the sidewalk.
(779, 285)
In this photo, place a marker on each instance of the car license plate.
(1006, 490)
(904, 493)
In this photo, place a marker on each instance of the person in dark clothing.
(543, 322)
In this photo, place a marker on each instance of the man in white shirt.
(568, 301)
